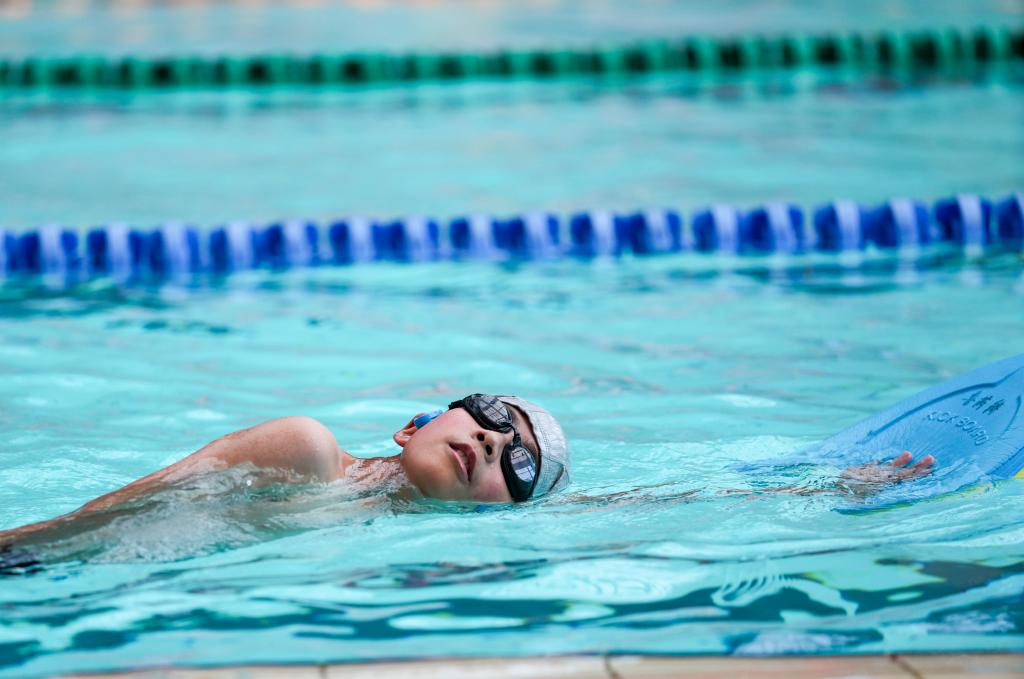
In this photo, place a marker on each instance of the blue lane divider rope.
(174, 248)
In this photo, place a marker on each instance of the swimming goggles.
(518, 464)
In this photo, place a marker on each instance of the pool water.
(665, 372)
(669, 373)
(240, 27)
(506, 148)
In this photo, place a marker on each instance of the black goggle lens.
(488, 411)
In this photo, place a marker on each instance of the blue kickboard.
(971, 424)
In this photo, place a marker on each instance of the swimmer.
(483, 449)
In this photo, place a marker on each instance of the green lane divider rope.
(889, 50)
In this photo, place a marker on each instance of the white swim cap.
(554, 446)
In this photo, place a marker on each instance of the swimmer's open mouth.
(466, 456)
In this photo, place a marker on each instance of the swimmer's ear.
(403, 435)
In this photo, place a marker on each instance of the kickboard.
(971, 424)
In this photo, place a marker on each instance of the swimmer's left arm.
(875, 475)
(864, 479)
(860, 480)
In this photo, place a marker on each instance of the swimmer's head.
(470, 451)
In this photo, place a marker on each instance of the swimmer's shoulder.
(345, 462)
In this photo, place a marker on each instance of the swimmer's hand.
(871, 477)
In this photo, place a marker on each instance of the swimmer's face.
(454, 458)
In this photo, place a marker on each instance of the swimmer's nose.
(485, 442)
(493, 442)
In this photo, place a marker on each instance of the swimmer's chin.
(408, 479)
(408, 492)
(417, 503)
(404, 488)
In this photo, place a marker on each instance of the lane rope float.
(872, 52)
(968, 221)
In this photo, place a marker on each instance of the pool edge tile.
(230, 672)
(901, 666)
(530, 667)
(768, 667)
(982, 665)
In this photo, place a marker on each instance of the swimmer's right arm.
(291, 448)
(286, 449)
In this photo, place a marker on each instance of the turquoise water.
(74, 26)
(506, 148)
(666, 372)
